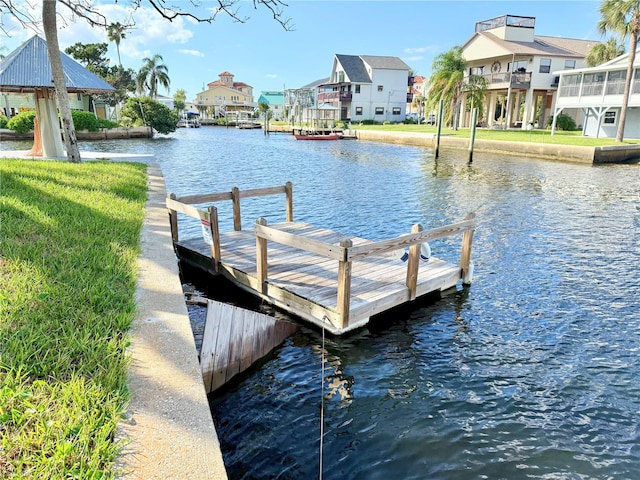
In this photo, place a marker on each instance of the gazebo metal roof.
(27, 68)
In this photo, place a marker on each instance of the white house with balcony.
(366, 87)
(519, 68)
(598, 92)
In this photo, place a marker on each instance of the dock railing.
(209, 218)
(346, 253)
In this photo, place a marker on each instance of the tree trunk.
(633, 44)
(51, 35)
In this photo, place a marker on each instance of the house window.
(610, 118)
(593, 84)
(380, 88)
(476, 70)
(358, 110)
(636, 82)
(395, 111)
(357, 88)
(615, 82)
(379, 110)
(569, 64)
(545, 65)
(569, 86)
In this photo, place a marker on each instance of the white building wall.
(631, 125)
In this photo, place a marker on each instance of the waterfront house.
(275, 100)
(301, 103)
(226, 98)
(367, 87)
(519, 67)
(597, 91)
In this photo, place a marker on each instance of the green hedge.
(3, 121)
(22, 122)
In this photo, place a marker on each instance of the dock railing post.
(237, 218)
(173, 220)
(215, 236)
(413, 264)
(344, 285)
(261, 258)
(288, 187)
(465, 253)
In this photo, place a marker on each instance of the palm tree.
(151, 74)
(603, 52)
(448, 84)
(623, 18)
(116, 32)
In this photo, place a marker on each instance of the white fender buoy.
(425, 252)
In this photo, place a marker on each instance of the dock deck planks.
(306, 284)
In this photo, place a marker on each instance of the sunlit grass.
(68, 253)
(535, 136)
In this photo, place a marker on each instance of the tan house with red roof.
(226, 98)
(519, 67)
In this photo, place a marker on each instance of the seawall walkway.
(168, 425)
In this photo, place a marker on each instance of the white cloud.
(195, 53)
(428, 49)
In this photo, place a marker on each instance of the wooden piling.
(472, 137)
(413, 264)
(439, 130)
(344, 286)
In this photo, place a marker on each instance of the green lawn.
(68, 264)
(535, 136)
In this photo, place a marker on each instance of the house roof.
(541, 45)
(272, 98)
(27, 68)
(355, 68)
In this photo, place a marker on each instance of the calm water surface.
(530, 373)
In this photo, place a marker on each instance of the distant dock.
(333, 280)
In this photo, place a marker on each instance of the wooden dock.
(334, 280)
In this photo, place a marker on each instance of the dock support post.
(439, 130)
(413, 264)
(215, 236)
(344, 285)
(472, 137)
(173, 220)
(261, 258)
(237, 218)
(465, 254)
(288, 187)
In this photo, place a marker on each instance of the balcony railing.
(334, 97)
(517, 79)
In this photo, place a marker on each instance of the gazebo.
(27, 70)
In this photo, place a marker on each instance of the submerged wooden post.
(173, 220)
(465, 253)
(237, 218)
(261, 259)
(439, 130)
(472, 137)
(413, 264)
(215, 236)
(288, 187)
(344, 285)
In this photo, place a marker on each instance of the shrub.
(147, 111)
(368, 122)
(564, 122)
(106, 123)
(3, 121)
(85, 121)
(22, 122)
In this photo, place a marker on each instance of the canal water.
(532, 372)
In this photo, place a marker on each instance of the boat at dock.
(334, 280)
(313, 134)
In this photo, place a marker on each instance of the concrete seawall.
(102, 134)
(567, 153)
(168, 425)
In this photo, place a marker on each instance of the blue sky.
(262, 54)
